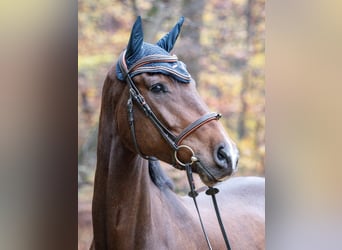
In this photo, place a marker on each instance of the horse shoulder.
(244, 188)
(241, 201)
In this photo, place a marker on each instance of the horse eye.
(158, 88)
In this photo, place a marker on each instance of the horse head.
(161, 115)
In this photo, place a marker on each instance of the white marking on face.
(234, 155)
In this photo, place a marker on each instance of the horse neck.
(128, 209)
(125, 170)
(128, 181)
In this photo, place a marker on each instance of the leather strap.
(152, 59)
(213, 191)
(193, 194)
(195, 125)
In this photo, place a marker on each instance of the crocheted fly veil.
(141, 57)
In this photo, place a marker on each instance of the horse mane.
(158, 175)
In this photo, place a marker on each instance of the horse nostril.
(220, 154)
(222, 157)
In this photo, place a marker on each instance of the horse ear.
(136, 39)
(168, 41)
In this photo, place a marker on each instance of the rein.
(173, 140)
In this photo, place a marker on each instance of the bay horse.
(151, 111)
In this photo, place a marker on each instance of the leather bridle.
(173, 140)
(135, 95)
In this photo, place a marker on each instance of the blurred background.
(222, 43)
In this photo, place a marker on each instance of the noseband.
(173, 140)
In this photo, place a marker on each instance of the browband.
(145, 65)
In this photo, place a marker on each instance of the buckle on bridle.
(193, 158)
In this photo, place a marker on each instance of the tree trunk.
(190, 48)
(244, 105)
(246, 77)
